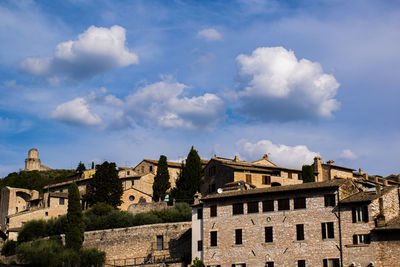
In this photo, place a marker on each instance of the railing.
(141, 261)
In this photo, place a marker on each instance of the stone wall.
(125, 244)
(144, 207)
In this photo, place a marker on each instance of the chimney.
(376, 179)
(317, 166)
(380, 219)
(366, 176)
(265, 156)
(330, 162)
(360, 171)
(385, 182)
(236, 159)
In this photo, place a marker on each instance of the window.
(238, 236)
(299, 232)
(301, 263)
(160, 242)
(283, 204)
(327, 230)
(200, 245)
(299, 203)
(46, 214)
(300, 177)
(131, 198)
(199, 214)
(142, 168)
(212, 171)
(269, 235)
(331, 262)
(269, 264)
(150, 168)
(213, 238)
(213, 211)
(360, 214)
(239, 265)
(237, 208)
(268, 205)
(289, 175)
(133, 182)
(60, 190)
(266, 179)
(61, 201)
(361, 239)
(252, 207)
(213, 265)
(128, 172)
(330, 200)
(248, 178)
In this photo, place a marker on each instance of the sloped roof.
(251, 166)
(367, 196)
(277, 189)
(175, 164)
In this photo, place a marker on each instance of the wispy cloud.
(209, 34)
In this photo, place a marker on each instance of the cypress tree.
(308, 174)
(92, 165)
(105, 186)
(191, 179)
(161, 180)
(76, 227)
(81, 167)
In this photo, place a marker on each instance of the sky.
(127, 80)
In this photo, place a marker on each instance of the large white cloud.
(275, 85)
(97, 50)
(76, 111)
(347, 154)
(162, 104)
(282, 155)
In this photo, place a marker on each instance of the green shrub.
(51, 253)
(100, 209)
(145, 218)
(32, 230)
(197, 263)
(92, 257)
(9, 248)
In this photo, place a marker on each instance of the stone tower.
(32, 162)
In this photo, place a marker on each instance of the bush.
(9, 248)
(51, 253)
(145, 218)
(197, 263)
(92, 257)
(32, 230)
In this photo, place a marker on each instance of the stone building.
(21, 205)
(33, 163)
(261, 173)
(329, 223)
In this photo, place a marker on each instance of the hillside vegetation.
(34, 179)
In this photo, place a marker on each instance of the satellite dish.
(219, 190)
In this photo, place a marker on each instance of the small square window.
(266, 179)
(328, 230)
(283, 204)
(237, 208)
(330, 200)
(269, 264)
(61, 201)
(360, 214)
(299, 203)
(268, 205)
(299, 232)
(200, 245)
(301, 263)
(46, 214)
(252, 207)
(290, 175)
(248, 178)
(331, 263)
(361, 239)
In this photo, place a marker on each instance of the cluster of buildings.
(252, 213)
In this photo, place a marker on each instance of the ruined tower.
(32, 162)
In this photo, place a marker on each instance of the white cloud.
(277, 86)
(12, 84)
(96, 51)
(162, 104)
(76, 111)
(347, 154)
(282, 155)
(209, 34)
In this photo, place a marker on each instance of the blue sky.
(127, 80)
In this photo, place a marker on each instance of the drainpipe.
(340, 230)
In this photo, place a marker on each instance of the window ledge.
(213, 247)
(237, 245)
(329, 239)
(356, 246)
(268, 243)
(299, 241)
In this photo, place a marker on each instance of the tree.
(308, 174)
(105, 186)
(190, 181)
(197, 263)
(81, 167)
(76, 227)
(161, 180)
(92, 165)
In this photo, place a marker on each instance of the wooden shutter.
(355, 240)
(353, 213)
(323, 229)
(325, 263)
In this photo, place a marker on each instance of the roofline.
(338, 167)
(253, 165)
(277, 189)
